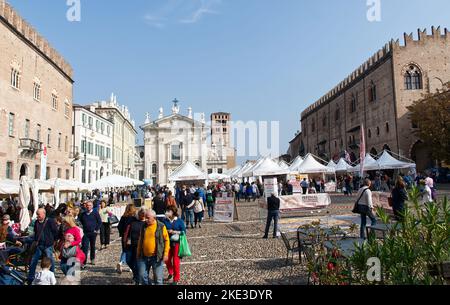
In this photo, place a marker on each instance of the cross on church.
(175, 102)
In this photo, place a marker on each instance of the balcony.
(74, 152)
(30, 146)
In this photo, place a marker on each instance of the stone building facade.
(93, 139)
(221, 137)
(35, 102)
(376, 95)
(124, 136)
(172, 139)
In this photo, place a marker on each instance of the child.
(68, 251)
(45, 277)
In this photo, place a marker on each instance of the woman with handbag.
(399, 196)
(105, 230)
(175, 227)
(199, 210)
(364, 206)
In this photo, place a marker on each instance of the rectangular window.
(48, 175)
(49, 135)
(83, 146)
(102, 128)
(176, 153)
(54, 102)
(67, 110)
(108, 130)
(37, 91)
(38, 133)
(66, 143)
(15, 78)
(59, 141)
(91, 123)
(59, 173)
(27, 129)
(9, 170)
(97, 125)
(11, 125)
(67, 174)
(83, 119)
(37, 172)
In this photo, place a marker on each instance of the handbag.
(175, 238)
(358, 208)
(35, 244)
(184, 250)
(113, 219)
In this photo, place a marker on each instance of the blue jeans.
(373, 220)
(144, 264)
(48, 252)
(272, 215)
(190, 216)
(88, 243)
(211, 209)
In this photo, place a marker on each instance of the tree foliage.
(432, 117)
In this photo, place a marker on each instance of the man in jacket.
(45, 234)
(91, 222)
(153, 249)
(273, 207)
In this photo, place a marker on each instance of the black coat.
(273, 203)
(399, 196)
(46, 232)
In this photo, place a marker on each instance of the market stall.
(188, 173)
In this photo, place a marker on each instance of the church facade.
(173, 139)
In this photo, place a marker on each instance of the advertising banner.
(299, 202)
(330, 187)
(295, 181)
(44, 164)
(224, 208)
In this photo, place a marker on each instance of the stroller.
(8, 275)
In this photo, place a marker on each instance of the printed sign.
(330, 187)
(270, 186)
(224, 208)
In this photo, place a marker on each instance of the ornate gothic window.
(176, 152)
(154, 169)
(15, 75)
(353, 104)
(413, 78)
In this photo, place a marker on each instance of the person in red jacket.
(71, 255)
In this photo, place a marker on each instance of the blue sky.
(258, 59)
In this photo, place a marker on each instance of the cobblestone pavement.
(225, 253)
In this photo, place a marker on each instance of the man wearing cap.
(273, 207)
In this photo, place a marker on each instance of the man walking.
(46, 232)
(304, 184)
(91, 222)
(273, 207)
(153, 249)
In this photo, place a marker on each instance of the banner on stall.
(330, 187)
(224, 208)
(295, 181)
(270, 186)
(299, 202)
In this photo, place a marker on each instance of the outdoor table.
(383, 228)
(346, 246)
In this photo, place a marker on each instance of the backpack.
(210, 198)
(198, 206)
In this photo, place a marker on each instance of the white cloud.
(204, 9)
(157, 22)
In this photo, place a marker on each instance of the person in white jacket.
(365, 195)
(45, 277)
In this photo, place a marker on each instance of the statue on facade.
(161, 113)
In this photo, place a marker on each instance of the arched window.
(369, 133)
(413, 78)
(154, 169)
(387, 127)
(372, 92)
(378, 131)
(324, 121)
(313, 126)
(37, 89)
(337, 114)
(15, 75)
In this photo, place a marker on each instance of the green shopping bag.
(184, 250)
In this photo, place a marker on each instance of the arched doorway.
(373, 152)
(102, 171)
(24, 170)
(421, 154)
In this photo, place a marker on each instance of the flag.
(362, 151)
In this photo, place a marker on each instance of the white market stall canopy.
(188, 171)
(311, 166)
(8, 187)
(68, 185)
(331, 164)
(266, 167)
(218, 177)
(283, 164)
(370, 164)
(343, 166)
(386, 161)
(114, 181)
(243, 169)
(295, 164)
(232, 172)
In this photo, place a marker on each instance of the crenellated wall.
(23, 28)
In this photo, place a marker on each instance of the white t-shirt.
(426, 196)
(44, 278)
